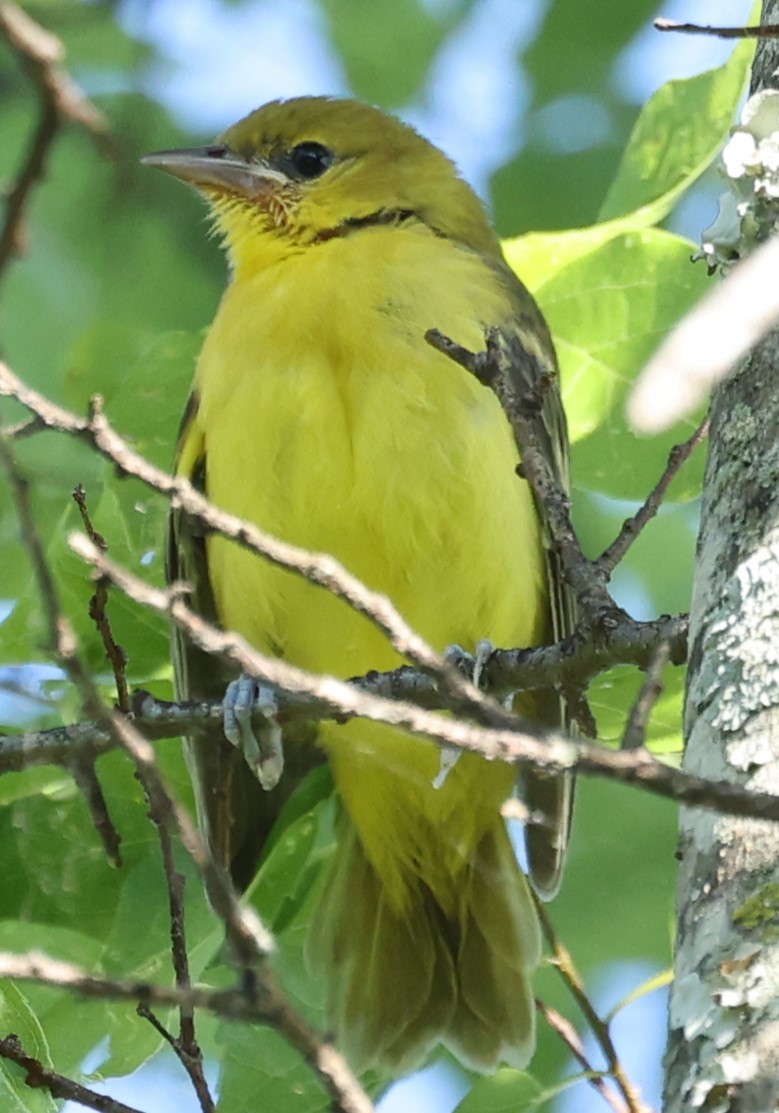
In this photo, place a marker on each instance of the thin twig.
(634, 735)
(39, 1077)
(514, 670)
(632, 527)
(246, 1002)
(549, 750)
(505, 364)
(185, 1046)
(759, 31)
(564, 963)
(60, 101)
(570, 1037)
(570, 665)
(85, 776)
(98, 610)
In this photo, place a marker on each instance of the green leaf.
(145, 386)
(575, 50)
(40, 781)
(610, 293)
(508, 1091)
(548, 185)
(17, 1016)
(677, 136)
(612, 695)
(146, 954)
(261, 1071)
(608, 310)
(113, 921)
(539, 257)
(61, 1030)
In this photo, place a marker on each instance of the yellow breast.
(329, 422)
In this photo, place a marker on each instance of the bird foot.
(263, 751)
(453, 655)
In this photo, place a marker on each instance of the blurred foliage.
(573, 56)
(371, 36)
(116, 285)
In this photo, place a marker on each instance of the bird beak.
(217, 168)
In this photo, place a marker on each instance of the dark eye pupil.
(310, 160)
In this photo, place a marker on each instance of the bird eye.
(310, 160)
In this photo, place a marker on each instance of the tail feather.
(499, 949)
(547, 842)
(400, 980)
(361, 947)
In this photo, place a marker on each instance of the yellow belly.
(329, 422)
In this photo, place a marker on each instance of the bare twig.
(262, 1003)
(60, 101)
(85, 776)
(632, 527)
(41, 1078)
(635, 731)
(549, 751)
(564, 963)
(507, 670)
(98, 610)
(528, 744)
(759, 31)
(570, 1037)
(185, 1046)
(504, 364)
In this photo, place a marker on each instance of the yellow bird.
(320, 413)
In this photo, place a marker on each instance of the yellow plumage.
(321, 414)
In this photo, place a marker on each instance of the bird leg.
(262, 751)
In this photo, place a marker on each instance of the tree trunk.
(723, 1050)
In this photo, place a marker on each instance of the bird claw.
(454, 655)
(484, 650)
(263, 752)
(448, 758)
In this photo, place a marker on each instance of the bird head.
(298, 173)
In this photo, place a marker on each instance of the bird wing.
(549, 796)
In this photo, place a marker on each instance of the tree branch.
(61, 101)
(759, 31)
(548, 750)
(631, 528)
(249, 1002)
(40, 1077)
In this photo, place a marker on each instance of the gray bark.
(723, 1050)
